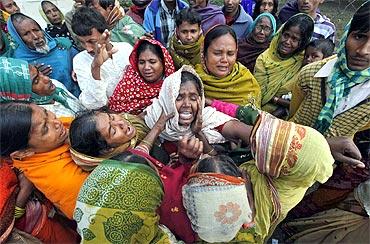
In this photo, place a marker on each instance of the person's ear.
(106, 151)
(110, 8)
(20, 154)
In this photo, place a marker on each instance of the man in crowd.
(237, 18)
(211, 14)
(324, 28)
(38, 47)
(96, 76)
(159, 18)
(137, 10)
(187, 39)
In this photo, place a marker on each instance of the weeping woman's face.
(114, 129)
(187, 103)
(289, 42)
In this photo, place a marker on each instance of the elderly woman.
(277, 68)
(56, 26)
(150, 63)
(21, 81)
(343, 81)
(263, 28)
(223, 77)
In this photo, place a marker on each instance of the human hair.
(47, 2)
(146, 45)
(361, 19)
(188, 15)
(103, 3)
(305, 24)
(216, 32)
(15, 126)
(18, 18)
(85, 19)
(326, 46)
(257, 7)
(130, 157)
(219, 164)
(187, 76)
(84, 136)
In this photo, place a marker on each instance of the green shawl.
(118, 203)
(185, 54)
(340, 81)
(126, 30)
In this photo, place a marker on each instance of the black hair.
(130, 158)
(361, 19)
(187, 76)
(216, 32)
(257, 7)
(305, 24)
(326, 46)
(156, 49)
(219, 164)
(84, 136)
(188, 15)
(85, 19)
(15, 126)
(103, 3)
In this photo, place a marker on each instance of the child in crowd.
(318, 50)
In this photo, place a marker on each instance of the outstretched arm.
(235, 130)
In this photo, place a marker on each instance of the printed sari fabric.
(185, 54)
(121, 198)
(133, 94)
(285, 166)
(239, 87)
(215, 218)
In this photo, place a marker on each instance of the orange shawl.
(56, 175)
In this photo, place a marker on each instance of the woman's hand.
(345, 151)
(26, 188)
(208, 101)
(44, 69)
(161, 122)
(196, 126)
(189, 150)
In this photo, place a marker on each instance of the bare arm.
(235, 130)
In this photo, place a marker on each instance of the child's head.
(318, 50)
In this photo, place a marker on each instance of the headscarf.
(122, 198)
(215, 218)
(188, 54)
(88, 163)
(211, 15)
(8, 193)
(248, 49)
(132, 93)
(16, 84)
(340, 82)
(166, 103)
(239, 87)
(274, 74)
(43, 15)
(285, 165)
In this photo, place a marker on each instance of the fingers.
(44, 69)
(350, 161)
(352, 150)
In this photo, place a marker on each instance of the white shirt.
(95, 93)
(58, 109)
(357, 94)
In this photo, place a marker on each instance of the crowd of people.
(184, 122)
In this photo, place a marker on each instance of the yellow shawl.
(275, 75)
(185, 54)
(239, 87)
(289, 158)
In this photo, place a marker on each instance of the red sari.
(133, 94)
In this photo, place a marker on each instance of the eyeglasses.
(266, 29)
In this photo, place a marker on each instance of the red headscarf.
(133, 94)
(8, 193)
